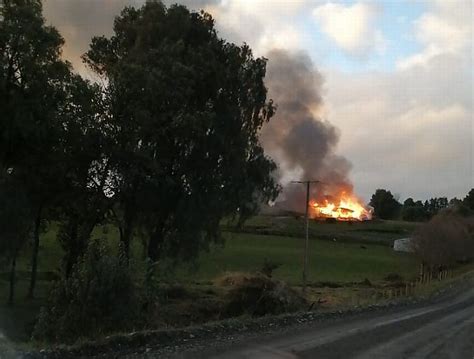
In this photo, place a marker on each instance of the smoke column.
(297, 138)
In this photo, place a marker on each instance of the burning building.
(303, 143)
(344, 208)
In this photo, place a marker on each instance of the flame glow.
(346, 208)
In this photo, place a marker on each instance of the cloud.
(79, 21)
(446, 28)
(409, 131)
(352, 27)
(264, 25)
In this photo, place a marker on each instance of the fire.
(346, 208)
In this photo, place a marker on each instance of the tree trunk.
(153, 251)
(155, 243)
(12, 279)
(154, 246)
(71, 251)
(34, 257)
(79, 237)
(126, 232)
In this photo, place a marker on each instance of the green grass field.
(328, 260)
(370, 232)
(339, 252)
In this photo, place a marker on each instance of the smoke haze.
(298, 138)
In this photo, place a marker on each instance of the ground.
(347, 265)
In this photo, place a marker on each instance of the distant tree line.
(163, 145)
(445, 239)
(386, 206)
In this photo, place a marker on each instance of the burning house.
(344, 209)
(303, 143)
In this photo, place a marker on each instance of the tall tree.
(33, 92)
(414, 211)
(84, 169)
(469, 199)
(186, 108)
(434, 205)
(385, 205)
(14, 224)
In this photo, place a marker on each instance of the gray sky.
(398, 77)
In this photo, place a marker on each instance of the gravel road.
(442, 330)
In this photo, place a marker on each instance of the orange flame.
(347, 208)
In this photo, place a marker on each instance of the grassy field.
(370, 232)
(328, 260)
(339, 252)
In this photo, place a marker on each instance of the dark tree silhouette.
(384, 204)
(185, 109)
(469, 200)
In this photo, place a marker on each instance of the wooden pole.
(306, 239)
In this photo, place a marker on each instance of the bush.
(445, 240)
(268, 267)
(98, 297)
(258, 295)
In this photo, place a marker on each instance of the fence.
(426, 276)
(401, 289)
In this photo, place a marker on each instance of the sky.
(398, 77)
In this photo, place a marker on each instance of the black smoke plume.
(300, 141)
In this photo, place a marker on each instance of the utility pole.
(306, 241)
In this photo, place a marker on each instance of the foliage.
(31, 81)
(82, 202)
(98, 297)
(258, 295)
(185, 108)
(268, 267)
(48, 116)
(331, 264)
(434, 205)
(419, 211)
(445, 240)
(468, 201)
(460, 208)
(384, 204)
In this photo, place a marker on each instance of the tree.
(98, 297)
(32, 81)
(434, 205)
(185, 108)
(384, 204)
(84, 167)
(459, 206)
(469, 199)
(445, 240)
(413, 211)
(409, 202)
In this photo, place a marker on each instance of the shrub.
(268, 267)
(258, 295)
(98, 297)
(445, 240)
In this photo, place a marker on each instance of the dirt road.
(442, 330)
